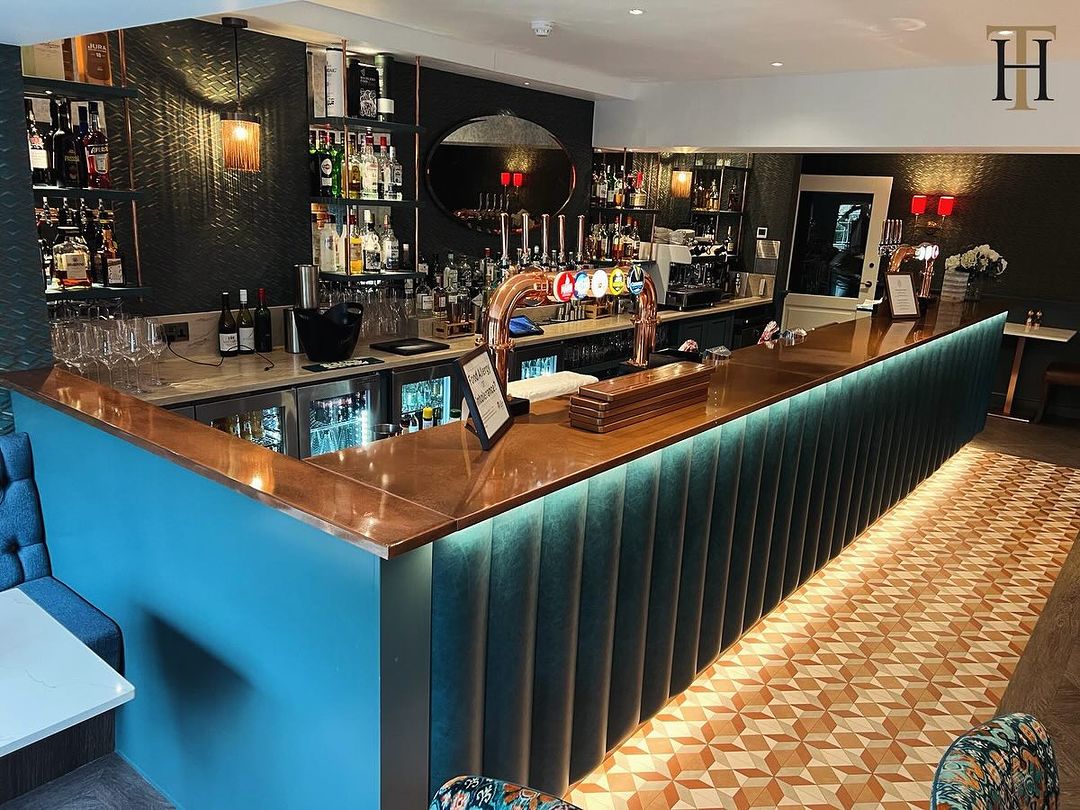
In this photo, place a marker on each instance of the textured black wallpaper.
(1025, 206)
(203, 229)
(448, 99)
(24, 330)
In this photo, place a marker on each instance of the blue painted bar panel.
(252, 639)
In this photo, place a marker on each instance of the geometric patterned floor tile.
(847, 694)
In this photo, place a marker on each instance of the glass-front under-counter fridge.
(413, 389)
(337, 415)
(530, 362)
(267, 419)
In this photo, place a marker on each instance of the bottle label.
(247, 337)
(97, 159)
(228, 342)
(73, 264)
(386, 106)
(326, 171)
(114, 271)
(39, 158)
(427, 302)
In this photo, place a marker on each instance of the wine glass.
(155, 344)
(133, 347)
(110, 347)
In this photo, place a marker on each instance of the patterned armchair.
(481, 793)
(1005, 764)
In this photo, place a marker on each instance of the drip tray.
(410, 346)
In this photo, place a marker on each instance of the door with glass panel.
(834, 250)
(535, 361)
(435, 386)
(268, 420)
(338, 415)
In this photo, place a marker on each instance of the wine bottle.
(245, 325)
(264, 340)
(96, 147)
(39, 155)
(228, 335)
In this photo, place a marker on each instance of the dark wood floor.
(1046, 683)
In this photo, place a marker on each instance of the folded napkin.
(549, 386)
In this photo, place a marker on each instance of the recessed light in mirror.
(777, 64)
(527, 84)
(637, 12)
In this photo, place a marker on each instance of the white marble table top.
(49, 680)
(1041, 333)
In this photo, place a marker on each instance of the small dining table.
(1023, 333)
(49, 680)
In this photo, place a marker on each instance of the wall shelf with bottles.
(75, 91)
(714, 211)
(361, 203)
(611, 209)
(89, 194)
(96, 293)
(374, 124)
(88, 59)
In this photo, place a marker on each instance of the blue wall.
(251, 638)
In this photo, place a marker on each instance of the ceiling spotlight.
(527, 83)
(542, 28)
(637, 12)
(777, 64)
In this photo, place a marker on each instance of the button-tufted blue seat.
(24, 559)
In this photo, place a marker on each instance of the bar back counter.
(354, 630)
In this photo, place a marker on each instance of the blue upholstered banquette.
(24, 558)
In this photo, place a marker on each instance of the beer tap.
(506, 267)
(524, 241)
(562, 241)
(580, 240)
(545, 226)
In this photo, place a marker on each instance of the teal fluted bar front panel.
(634, 580)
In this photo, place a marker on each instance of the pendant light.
(239, 130)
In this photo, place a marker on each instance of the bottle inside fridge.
(433, 393)
(539, 367)
(264, 427)
(337, 423)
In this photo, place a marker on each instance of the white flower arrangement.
(978, 261)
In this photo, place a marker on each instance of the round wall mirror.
(499, 163)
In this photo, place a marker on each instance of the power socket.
(176, 332)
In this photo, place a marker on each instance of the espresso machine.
(694, 275)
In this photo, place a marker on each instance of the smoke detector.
(542, 28)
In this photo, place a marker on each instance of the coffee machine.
(692, 276)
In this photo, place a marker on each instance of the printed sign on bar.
(489, 418)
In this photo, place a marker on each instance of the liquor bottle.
(429, 417)
(424, 300)
(335, 152)
(245, 326)
(372, 245)
(80, 147)
(610, 193)
(733, 197)
(326, 167)
(356, 247)
(92, 63)
(385, 178)
(314, 158)
(316, 240)
(264, 337)
(369, 168)
(729, 244)
(356, 175)
(46, 236)
(228, 334)
(65, 152)
(395, 176)
(391, 249)
(90, 231)
(39, 155)
(640, 198)
(71, 259)
(618, 196)
(96, 148)
(112, 264)
(438, 307)
(328, 246)
(714, 197)
(414, 423)
(384, 62)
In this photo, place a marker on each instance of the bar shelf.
(96, 292)
(75, 91)
(328, 275)
(373, 124)
(92, 194)
(358, 202)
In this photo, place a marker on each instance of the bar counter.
(523, 610)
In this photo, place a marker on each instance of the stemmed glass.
(110, 345)
(133, 347)
(155, 347)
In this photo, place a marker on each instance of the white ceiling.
(597, 48)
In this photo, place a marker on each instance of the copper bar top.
(396, 495)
